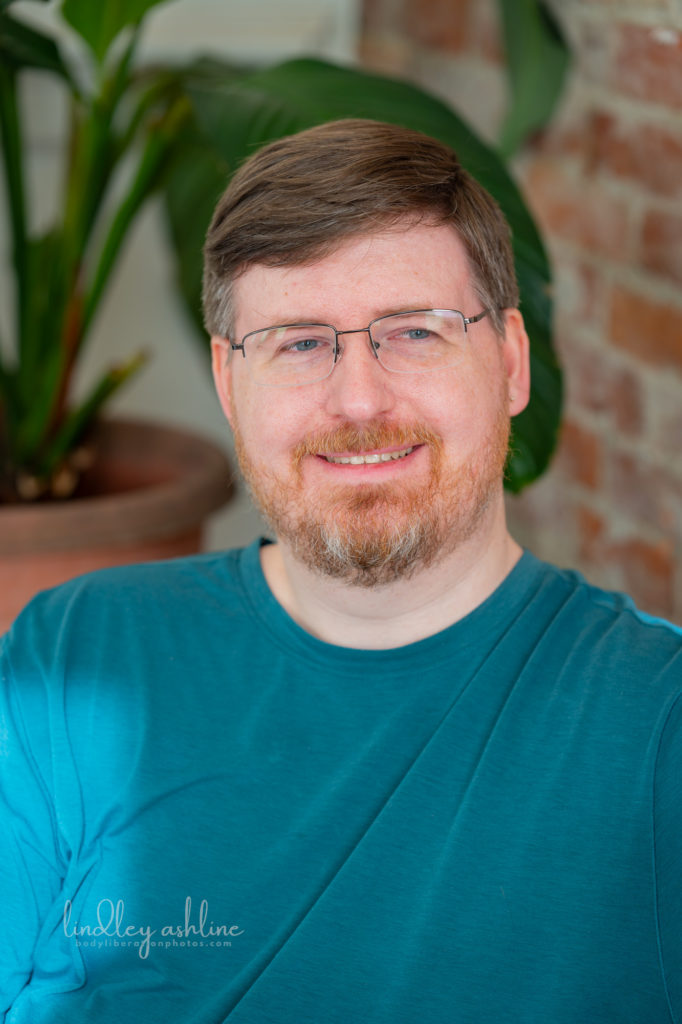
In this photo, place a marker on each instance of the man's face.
(432, 445)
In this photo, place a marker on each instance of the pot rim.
(198, 479)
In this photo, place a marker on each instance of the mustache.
(351, 439)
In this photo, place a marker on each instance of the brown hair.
(297, 199)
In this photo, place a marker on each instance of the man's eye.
(417, 333)
(407, 334)
(303, 345)
(306, 345)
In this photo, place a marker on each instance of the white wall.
(141, 310)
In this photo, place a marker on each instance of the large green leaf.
(537, 61)
(237, 118)
(98, 22)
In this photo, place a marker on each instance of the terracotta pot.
(146, 497)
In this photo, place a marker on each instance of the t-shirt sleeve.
(31, 862)
(668, 855)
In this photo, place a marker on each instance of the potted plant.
(136, 130)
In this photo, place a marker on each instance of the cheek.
(447, 401)
(469, 414)
(266, 427)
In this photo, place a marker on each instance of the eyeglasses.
(418, 341)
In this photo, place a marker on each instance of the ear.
(221, 364)
(516, 359)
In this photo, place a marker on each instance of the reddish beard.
(370, 535)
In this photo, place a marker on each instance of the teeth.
(363, 460)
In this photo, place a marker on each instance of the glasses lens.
(291, 355)
(423, 340)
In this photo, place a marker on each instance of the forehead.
(407, 266)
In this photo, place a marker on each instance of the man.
(388, 767)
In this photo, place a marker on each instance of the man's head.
(298, 198)
(378, 466)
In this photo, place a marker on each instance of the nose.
(358, 388)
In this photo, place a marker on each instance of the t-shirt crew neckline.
(482, 625)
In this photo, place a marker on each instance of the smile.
(364, 460)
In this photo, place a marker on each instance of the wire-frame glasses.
(417, 341)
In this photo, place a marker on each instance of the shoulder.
(145, 584)
(610, 606)
(101, 614)
(592, 604)
(602, 636)
(127, 644)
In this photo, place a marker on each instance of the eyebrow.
(407, 307)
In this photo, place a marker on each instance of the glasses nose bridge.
(355, 330)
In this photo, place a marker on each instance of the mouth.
(369, 459)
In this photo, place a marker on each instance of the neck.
(398, 613)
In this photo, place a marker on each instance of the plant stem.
(78, 420)
(150, 169)
(94, 155)
(10, 132)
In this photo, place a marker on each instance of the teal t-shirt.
(209, 815)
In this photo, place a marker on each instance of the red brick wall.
(605, 183)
